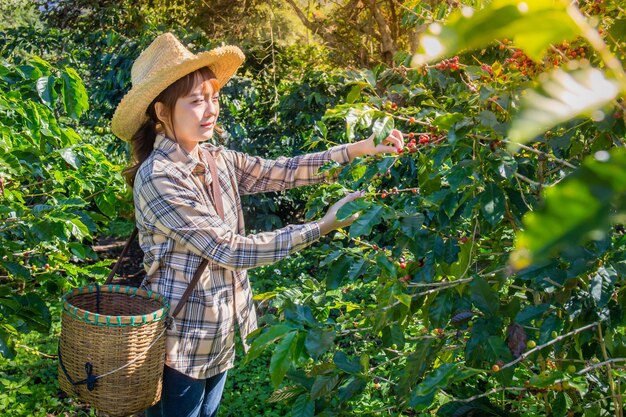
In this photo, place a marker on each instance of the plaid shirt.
(178, 226)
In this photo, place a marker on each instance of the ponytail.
(142, 144)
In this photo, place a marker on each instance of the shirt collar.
(180, 158)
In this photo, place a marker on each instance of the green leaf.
(561, 405)
(618, 29)
(355, 115)
(393, 335)
(304, 406)
(33, 312)
(532, 24)
(447, 121)
(323, 385)
(319, 341)
(350, 366)
(7, 347)
(264, 339)
(545, 379)
(282, 358)
(483, 297)
(386, 265)
(575, 209)
(16, 269)
(70, 157)
(382, 128)
(362, 226)
(358, 268)
(440, 309)
(561, 96)
(352, 207)
(531, 313)
(601, 286)
(351, 388)
(487, 118)
(405, 299)
(435, 381)
(459, 267)
(299, 313)
(46, 91)
(410, 225)
(77, 229)
(106, 202)
(75, 98)
(492, 203)
(338, 272)
(355, 93)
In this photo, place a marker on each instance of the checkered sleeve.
(257, 175)
(177, 212)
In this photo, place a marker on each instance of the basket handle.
(219, 207)
(119, 260)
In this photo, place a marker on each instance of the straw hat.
(162, 63)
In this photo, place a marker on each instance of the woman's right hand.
(329, 222)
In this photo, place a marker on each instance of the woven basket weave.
(118, 332)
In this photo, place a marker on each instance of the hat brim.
(130, 114)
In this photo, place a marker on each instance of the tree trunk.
(387, 42)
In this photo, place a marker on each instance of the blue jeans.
(184, 396)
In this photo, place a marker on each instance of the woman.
(187, 206)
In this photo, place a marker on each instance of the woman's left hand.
(394, 143)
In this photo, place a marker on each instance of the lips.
(207, 125)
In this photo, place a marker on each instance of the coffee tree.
(57, 190)
(481, 276)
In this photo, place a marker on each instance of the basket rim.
(115, 320)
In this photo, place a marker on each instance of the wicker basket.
(112, 347)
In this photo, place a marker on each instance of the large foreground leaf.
(562, 96)
(574, 209)
(532, 24)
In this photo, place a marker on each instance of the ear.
(161, 112)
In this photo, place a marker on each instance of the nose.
(211, 109)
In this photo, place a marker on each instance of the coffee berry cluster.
(519, 61)
(452, 64)
(396, 190)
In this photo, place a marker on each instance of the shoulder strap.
(215, 183)
(119, 260)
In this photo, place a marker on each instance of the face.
(195, 115)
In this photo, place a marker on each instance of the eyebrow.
(217, 93)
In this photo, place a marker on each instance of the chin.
(207, 135)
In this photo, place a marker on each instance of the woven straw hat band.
(163, 62)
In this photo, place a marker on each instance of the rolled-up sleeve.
(178, 213)
(257, 175)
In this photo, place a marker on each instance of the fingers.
(396, 140)
(352, 196)
(388, 149)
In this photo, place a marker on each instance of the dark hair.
(142, 142)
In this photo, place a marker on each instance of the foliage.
(416, 304)
(21, 12)
(422, 306)
(57, 191)
(252, 20)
